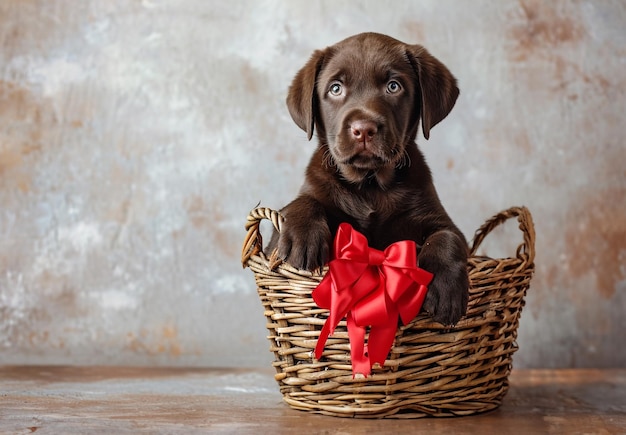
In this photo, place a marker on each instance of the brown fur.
(365, 97)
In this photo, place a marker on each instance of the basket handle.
(526, 250)
(253, 243)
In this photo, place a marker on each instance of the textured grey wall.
(136, 136)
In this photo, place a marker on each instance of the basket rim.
(525, 252)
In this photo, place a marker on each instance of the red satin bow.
(370, 288)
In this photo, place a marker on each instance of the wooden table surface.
(120, 400)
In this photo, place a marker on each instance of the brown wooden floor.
(87, 400)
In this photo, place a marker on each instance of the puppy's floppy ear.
(437, 85)
(302, 98)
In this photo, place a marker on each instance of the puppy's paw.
(304, 245)
(446, 300)
(445, 256)
(304, 239)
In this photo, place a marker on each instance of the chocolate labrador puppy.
(365, 97)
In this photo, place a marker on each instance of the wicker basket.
(431, 370)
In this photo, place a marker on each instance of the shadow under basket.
(432, 370)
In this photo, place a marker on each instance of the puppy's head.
(365, 96)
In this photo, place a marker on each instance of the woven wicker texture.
(431, 370)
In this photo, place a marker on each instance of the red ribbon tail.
(321, 341)
(381, 340)
(358, 355)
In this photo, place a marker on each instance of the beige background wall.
(136, 136)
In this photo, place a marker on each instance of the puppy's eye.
(335, 89)
(393, 87)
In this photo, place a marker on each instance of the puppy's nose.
(363, 130)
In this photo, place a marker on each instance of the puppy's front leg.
(305, 238)
(444, 254)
